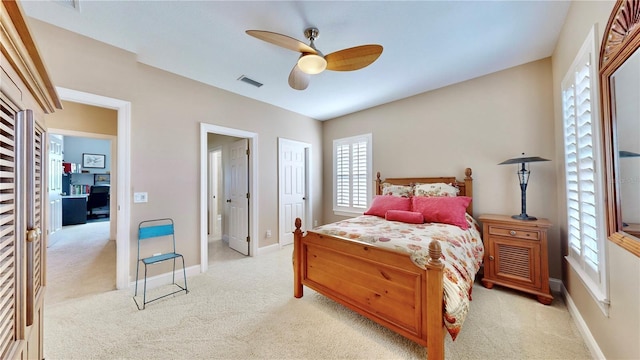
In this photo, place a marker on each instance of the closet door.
(22, 251)
(30, 173)
(10, 297)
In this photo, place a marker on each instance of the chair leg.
(144, 295)
(137, 270)
(173, 276)
(184, 273)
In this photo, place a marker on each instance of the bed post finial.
(378, 184)
(468, 189)
(435, 252)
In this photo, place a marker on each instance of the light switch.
(140, 197)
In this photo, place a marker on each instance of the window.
(352, 182)
(585, 204)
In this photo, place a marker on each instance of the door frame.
(307, 173)
(122, 154)
(253, 187)
(213, 204)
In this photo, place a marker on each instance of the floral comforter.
(462, 253)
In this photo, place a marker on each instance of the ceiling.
(427, 44)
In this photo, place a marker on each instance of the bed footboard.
(383, 285)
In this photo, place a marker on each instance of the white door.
(292, 187)
(56, 147)
(238, 201)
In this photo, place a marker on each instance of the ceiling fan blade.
(298, 79)
(282, 40)
(353, 58)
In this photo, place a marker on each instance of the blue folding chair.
(162, 232)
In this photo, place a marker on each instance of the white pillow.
(397, 190)
(435, 189)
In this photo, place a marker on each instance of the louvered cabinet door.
(516, 255)
(515, 261)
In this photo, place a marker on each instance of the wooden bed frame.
(385, 286)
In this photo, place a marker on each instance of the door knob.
(304, 198)
(33, 235)
(228, 200)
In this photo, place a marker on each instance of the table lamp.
(523, 176)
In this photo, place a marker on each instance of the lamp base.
(524, 217)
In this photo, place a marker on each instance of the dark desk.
(74, 210)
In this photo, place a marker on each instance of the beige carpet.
(81, 260)
(243, 308)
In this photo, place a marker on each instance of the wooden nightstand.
(516, 255)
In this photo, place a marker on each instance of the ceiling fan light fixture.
(312, 64)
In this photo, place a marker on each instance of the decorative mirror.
(620, 95)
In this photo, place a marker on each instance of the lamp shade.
(627, 154)
(520, 160)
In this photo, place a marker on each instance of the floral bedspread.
(462, 253)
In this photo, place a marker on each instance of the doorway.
(121, 179)
(228, 190)
(251, 184)
(70, 199)
(215, 194)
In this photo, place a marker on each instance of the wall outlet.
(268, 234)
(315, 223)
(140, 197)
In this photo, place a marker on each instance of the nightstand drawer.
(517, 233)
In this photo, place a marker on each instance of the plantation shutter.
(8, 252)
(352, 166)
(342, 175)
(360, 175)
(578, 96)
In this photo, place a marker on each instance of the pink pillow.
(443, 209)
(405, 216)
(382, 203)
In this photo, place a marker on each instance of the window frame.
(594, 279)
(352, 210)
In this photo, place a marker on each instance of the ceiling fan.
(312, 61)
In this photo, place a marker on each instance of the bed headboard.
(465, 186)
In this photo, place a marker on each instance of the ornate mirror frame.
(621, 39)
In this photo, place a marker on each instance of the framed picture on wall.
(100, 179)
(93, 161)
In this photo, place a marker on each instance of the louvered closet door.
(34, 181)
(21, 243)
(9, 260)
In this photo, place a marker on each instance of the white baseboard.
(268, 249)
(588, 338)
(163, 279)
(555, 285)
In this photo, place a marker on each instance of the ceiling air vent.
(74, 4)
(249, 81)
